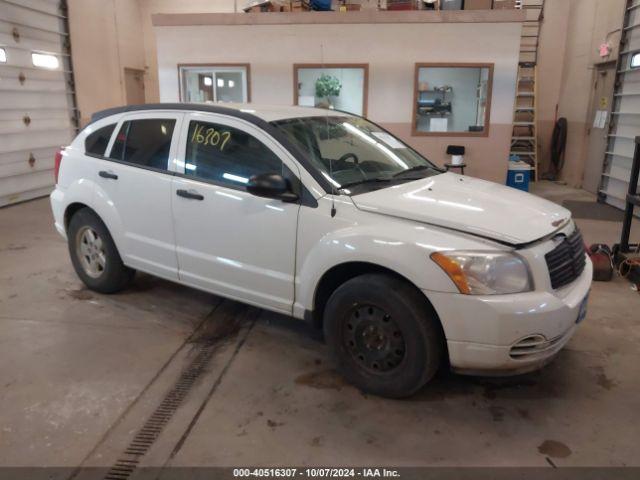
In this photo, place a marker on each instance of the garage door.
(625, 114)
(37, 106)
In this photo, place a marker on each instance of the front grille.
(566, 262)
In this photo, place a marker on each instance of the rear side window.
(144, 142)
(227, 155)
(96, 143)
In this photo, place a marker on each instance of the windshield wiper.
(417, 168)
(366, 180)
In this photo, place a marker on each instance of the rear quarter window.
(96, 142)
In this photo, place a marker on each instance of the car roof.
(267, 113)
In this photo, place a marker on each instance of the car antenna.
(326, 117)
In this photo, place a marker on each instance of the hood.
(470, 205)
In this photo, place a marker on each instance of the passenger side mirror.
(271, 185)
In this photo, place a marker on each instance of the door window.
(227, 155)
(144, 142)
(96, 143)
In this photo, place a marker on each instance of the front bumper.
(509, 334)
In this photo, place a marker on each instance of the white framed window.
(45, 60)
(635, 60)
(214, 83)
(3, 55)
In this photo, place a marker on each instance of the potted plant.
(327, 86)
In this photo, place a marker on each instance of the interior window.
(144, 142)
(226, 154)
(215, 83)
(96, 143)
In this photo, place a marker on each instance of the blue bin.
(518, 175)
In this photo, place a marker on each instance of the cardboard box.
(504, 4)
(478, 4)
(401, 5)
(299, 6)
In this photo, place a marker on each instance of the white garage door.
(37, 106)
(624, 125)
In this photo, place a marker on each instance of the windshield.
(353, 152)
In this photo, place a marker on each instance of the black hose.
(558, 144)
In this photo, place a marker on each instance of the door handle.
(189, 194)
(105, 174)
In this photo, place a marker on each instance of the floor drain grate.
(150, 431)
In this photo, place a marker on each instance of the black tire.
(371, 306)
(112, 275)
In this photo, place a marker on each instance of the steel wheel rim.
(90, 252)
(373, 339)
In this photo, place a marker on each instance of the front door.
(599, 118)
(230, 242)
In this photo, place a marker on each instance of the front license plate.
(583, 309)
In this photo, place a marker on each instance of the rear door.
(228, 241)
(135, 179)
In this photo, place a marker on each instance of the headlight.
(485, 273)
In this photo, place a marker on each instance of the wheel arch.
(72, 209)
(341, 273)
(107, 217)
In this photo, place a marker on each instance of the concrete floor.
(80, 373)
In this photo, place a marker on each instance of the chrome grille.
(566, 262)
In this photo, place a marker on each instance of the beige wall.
(391, 69)
(151, 7)
(571, 33)
(108, 36)
(105, 38)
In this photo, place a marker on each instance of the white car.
(326, 217)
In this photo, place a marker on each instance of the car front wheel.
(385, 336)
(94, 255)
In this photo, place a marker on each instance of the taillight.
(57, 163)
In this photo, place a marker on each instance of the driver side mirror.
(271, 185)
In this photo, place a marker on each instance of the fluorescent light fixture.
(231, 83)
(208, 81)
(235, 178)
(3, 55)
(635, 60)
(220, 82)
(45, 60)
(190, 166)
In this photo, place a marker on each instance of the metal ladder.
(524, 137)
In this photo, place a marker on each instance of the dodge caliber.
(326, 217)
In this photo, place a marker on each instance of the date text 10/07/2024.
(316, 472)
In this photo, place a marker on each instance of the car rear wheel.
(385, 336)
(94, 255)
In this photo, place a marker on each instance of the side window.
(226, 154)
(144, 142)
(96, 142)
